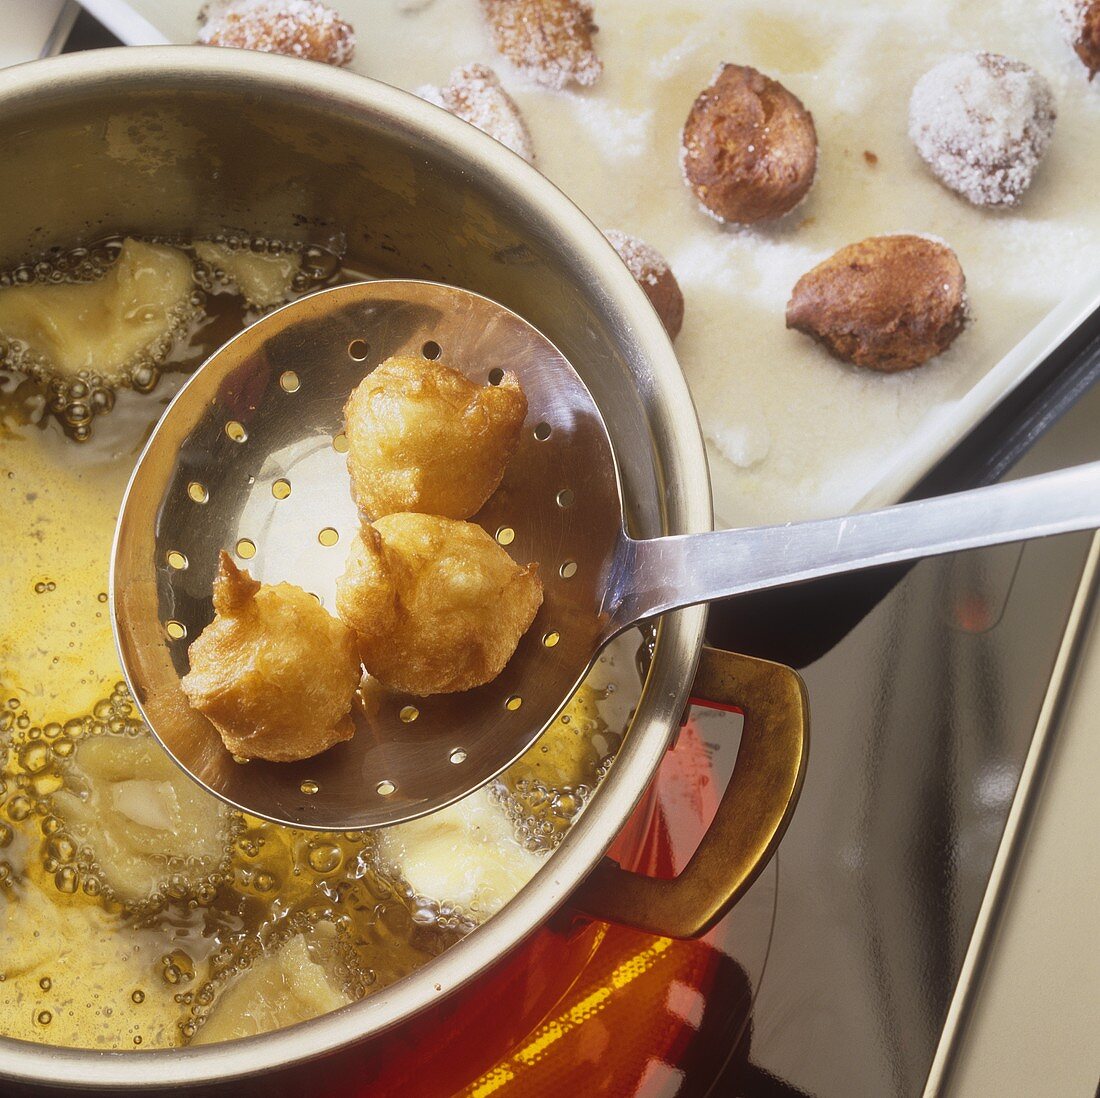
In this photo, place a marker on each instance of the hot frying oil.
(106, 939)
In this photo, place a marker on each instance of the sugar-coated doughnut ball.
(982, 123)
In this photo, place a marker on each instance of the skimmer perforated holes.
(542, 431)
(458, 756)
(385, 788)
(290, 381)
(280, 489)
(236, 431)
(175, 629)
(328, 537)
(409, 713)
(431, 350)
(505, 535)
(246, 548)
(568, 569)
(197, 492)
(513, 702)
(496, 376)
(176, 560)
(358, 349)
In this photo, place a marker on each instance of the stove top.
(921, 720)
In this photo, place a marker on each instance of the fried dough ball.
(982, 123)
(422, 437)
(652, 272)
(465, 855)
(1081, 23)
(749, 148)
(263, 279)
(83, 340)
(151, 830)
(275, 991)
(475, 95)
(273, 672)
(549, 41)
(294, 28)
(888, 302)
(437, 605)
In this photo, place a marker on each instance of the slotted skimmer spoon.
(249, 458)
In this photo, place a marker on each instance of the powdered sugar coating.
(1080, 21)
(549, 41)
(475, 95)
(652, 272)
(643, 261)
(294, 28)
(982, 123)
(1071, 14)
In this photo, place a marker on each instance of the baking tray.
(899, 427)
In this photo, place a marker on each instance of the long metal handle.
(668, 573)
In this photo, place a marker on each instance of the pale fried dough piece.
(294, 28)
(437, 605)
(549, 41)
(105, 328)
(888, 302)
(149, 827)
(263, 279)
(749, 147)
(422, 437)
(273, 672)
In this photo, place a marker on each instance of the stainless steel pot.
(196, 141)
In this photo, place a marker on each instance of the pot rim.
(686, 508)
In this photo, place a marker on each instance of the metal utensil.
(249, 458)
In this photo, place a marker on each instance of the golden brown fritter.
(888, 302)
(749, 148)
(437, 605)
(422, 437)
(273, 672)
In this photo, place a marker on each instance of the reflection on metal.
(576, 1015)
(771, 763)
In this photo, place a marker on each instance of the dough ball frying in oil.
(148, 826)
(273, 672)
(423, 437)
(437, 605)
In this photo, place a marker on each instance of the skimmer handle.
(668, 573)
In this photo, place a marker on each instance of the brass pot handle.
(739, 843)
